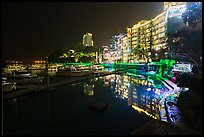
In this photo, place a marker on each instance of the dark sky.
(35, 30)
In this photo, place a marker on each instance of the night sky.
(35, 30)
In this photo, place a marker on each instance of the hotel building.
(146, 40)
(147, 36)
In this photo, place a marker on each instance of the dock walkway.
(33, 89)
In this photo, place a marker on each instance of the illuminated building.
(125, 48)
(146, 39)
(116, 48)
(106, 54)
(39, 62)
(87, 39)
(147, 36)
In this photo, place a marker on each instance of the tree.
(89, 50)
(77, 55)
(183, 45)
(141, 50)
(140, 53)
(69, 54)
(175, 42)
(54, 57)
(193, 14)
(79, 47)
(151, 50)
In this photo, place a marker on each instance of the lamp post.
(47, 75)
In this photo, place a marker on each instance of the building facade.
(116, 47)
(87, 39)
(146, 41)
(148, 37)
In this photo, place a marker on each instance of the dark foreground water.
(132, 103)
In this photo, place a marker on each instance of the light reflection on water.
(138, 92)
(64, 111)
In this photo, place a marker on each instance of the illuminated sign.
(182, 67)
(176, 11)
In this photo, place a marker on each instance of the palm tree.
(77, 55)
(140, 53)
(69, 54)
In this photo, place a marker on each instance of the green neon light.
(154, 63)
(157, 85)
(168, 62)
(119, 63)
(77, 64)
(133, 74)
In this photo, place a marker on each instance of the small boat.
(8, 86)
(97, 69)
(4, 78)
(73, 72)
(24, 77)
(99, 106)
(80, 73)
(162, 111)
(21, 74)
(37, 80)
(173, 112)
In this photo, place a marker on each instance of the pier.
(33, 89)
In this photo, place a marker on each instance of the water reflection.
(50, 119)
(42, 72)
(15, 104)
(89, 87)
(143, 94)
(61, 110)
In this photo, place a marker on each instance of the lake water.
(133, 101)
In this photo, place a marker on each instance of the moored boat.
(24, 77)
(173, 112)
(7, 86)
(73, 72)
(21, 74)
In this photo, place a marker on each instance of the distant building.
(87, 39)
(39, 62)
(116, 47)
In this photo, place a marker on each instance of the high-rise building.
(87, 39)
(116, 47)
(147, 36)
(125, 49)
(105, 52)
(147, 39)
